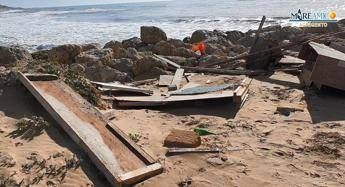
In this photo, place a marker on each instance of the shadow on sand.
(17, 102)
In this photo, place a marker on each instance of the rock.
(164, 48)
(152, 35)
(186, 40)
(114, 45)
(64, 54)
(146, 64)
(183, 52)
(234, 36)
(176, 42)
(132, 53)
(89, 46)
(13, 55)
(120, 53)
(145, 48)
(105, 74)
(285, 33)
(247, 41)
(77, 68)
(199, 35)
(123, 65)
(238, 49)
(95, 56)
(215, 37)
(182, 138)
(215, 161)
(134, 42)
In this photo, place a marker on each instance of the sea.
(39, 28)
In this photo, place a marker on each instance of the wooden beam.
(223, 71)
(171, 63)
(156, 100)
(175, 151)
(140, 174)
(120, 87)
(176, 82)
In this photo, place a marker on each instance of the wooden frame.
(121, 161)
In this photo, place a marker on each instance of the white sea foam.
(35, 27)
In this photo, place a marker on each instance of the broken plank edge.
(175, 151)
(138, 175)
(129, 143)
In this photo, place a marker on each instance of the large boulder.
(134, 42)
(64, 54)
(95, 56)
(105, 74)
(152, 35)
(164, 48)
(199, 36)
(13, 55)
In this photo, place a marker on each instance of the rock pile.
(131, 59)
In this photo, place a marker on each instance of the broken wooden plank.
(175, 151)
(223, 71)
(157, 100)
(176, 82)
(140, 174)
(121, 87)
(165, 80)
(167, 61)
(141, 82)
(201, 89)
(87, 127)
(257, 33)
(240, 94)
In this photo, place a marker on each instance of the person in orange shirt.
(200, 50)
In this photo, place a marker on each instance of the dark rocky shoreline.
(132, 59)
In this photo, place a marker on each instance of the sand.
(260, 146)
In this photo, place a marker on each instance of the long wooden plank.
(85, 125)
(176, 82)
(161, 100)
(175, 151)
(120, 87)
(167, 61)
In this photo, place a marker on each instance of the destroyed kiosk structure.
(324, 66)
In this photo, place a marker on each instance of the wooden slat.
(165, 80)
(174, 151)
(176, 82)
(156, 100)
(240, 94)
(120, 87)
(85, 125)
(167, 61)
(140, 174)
